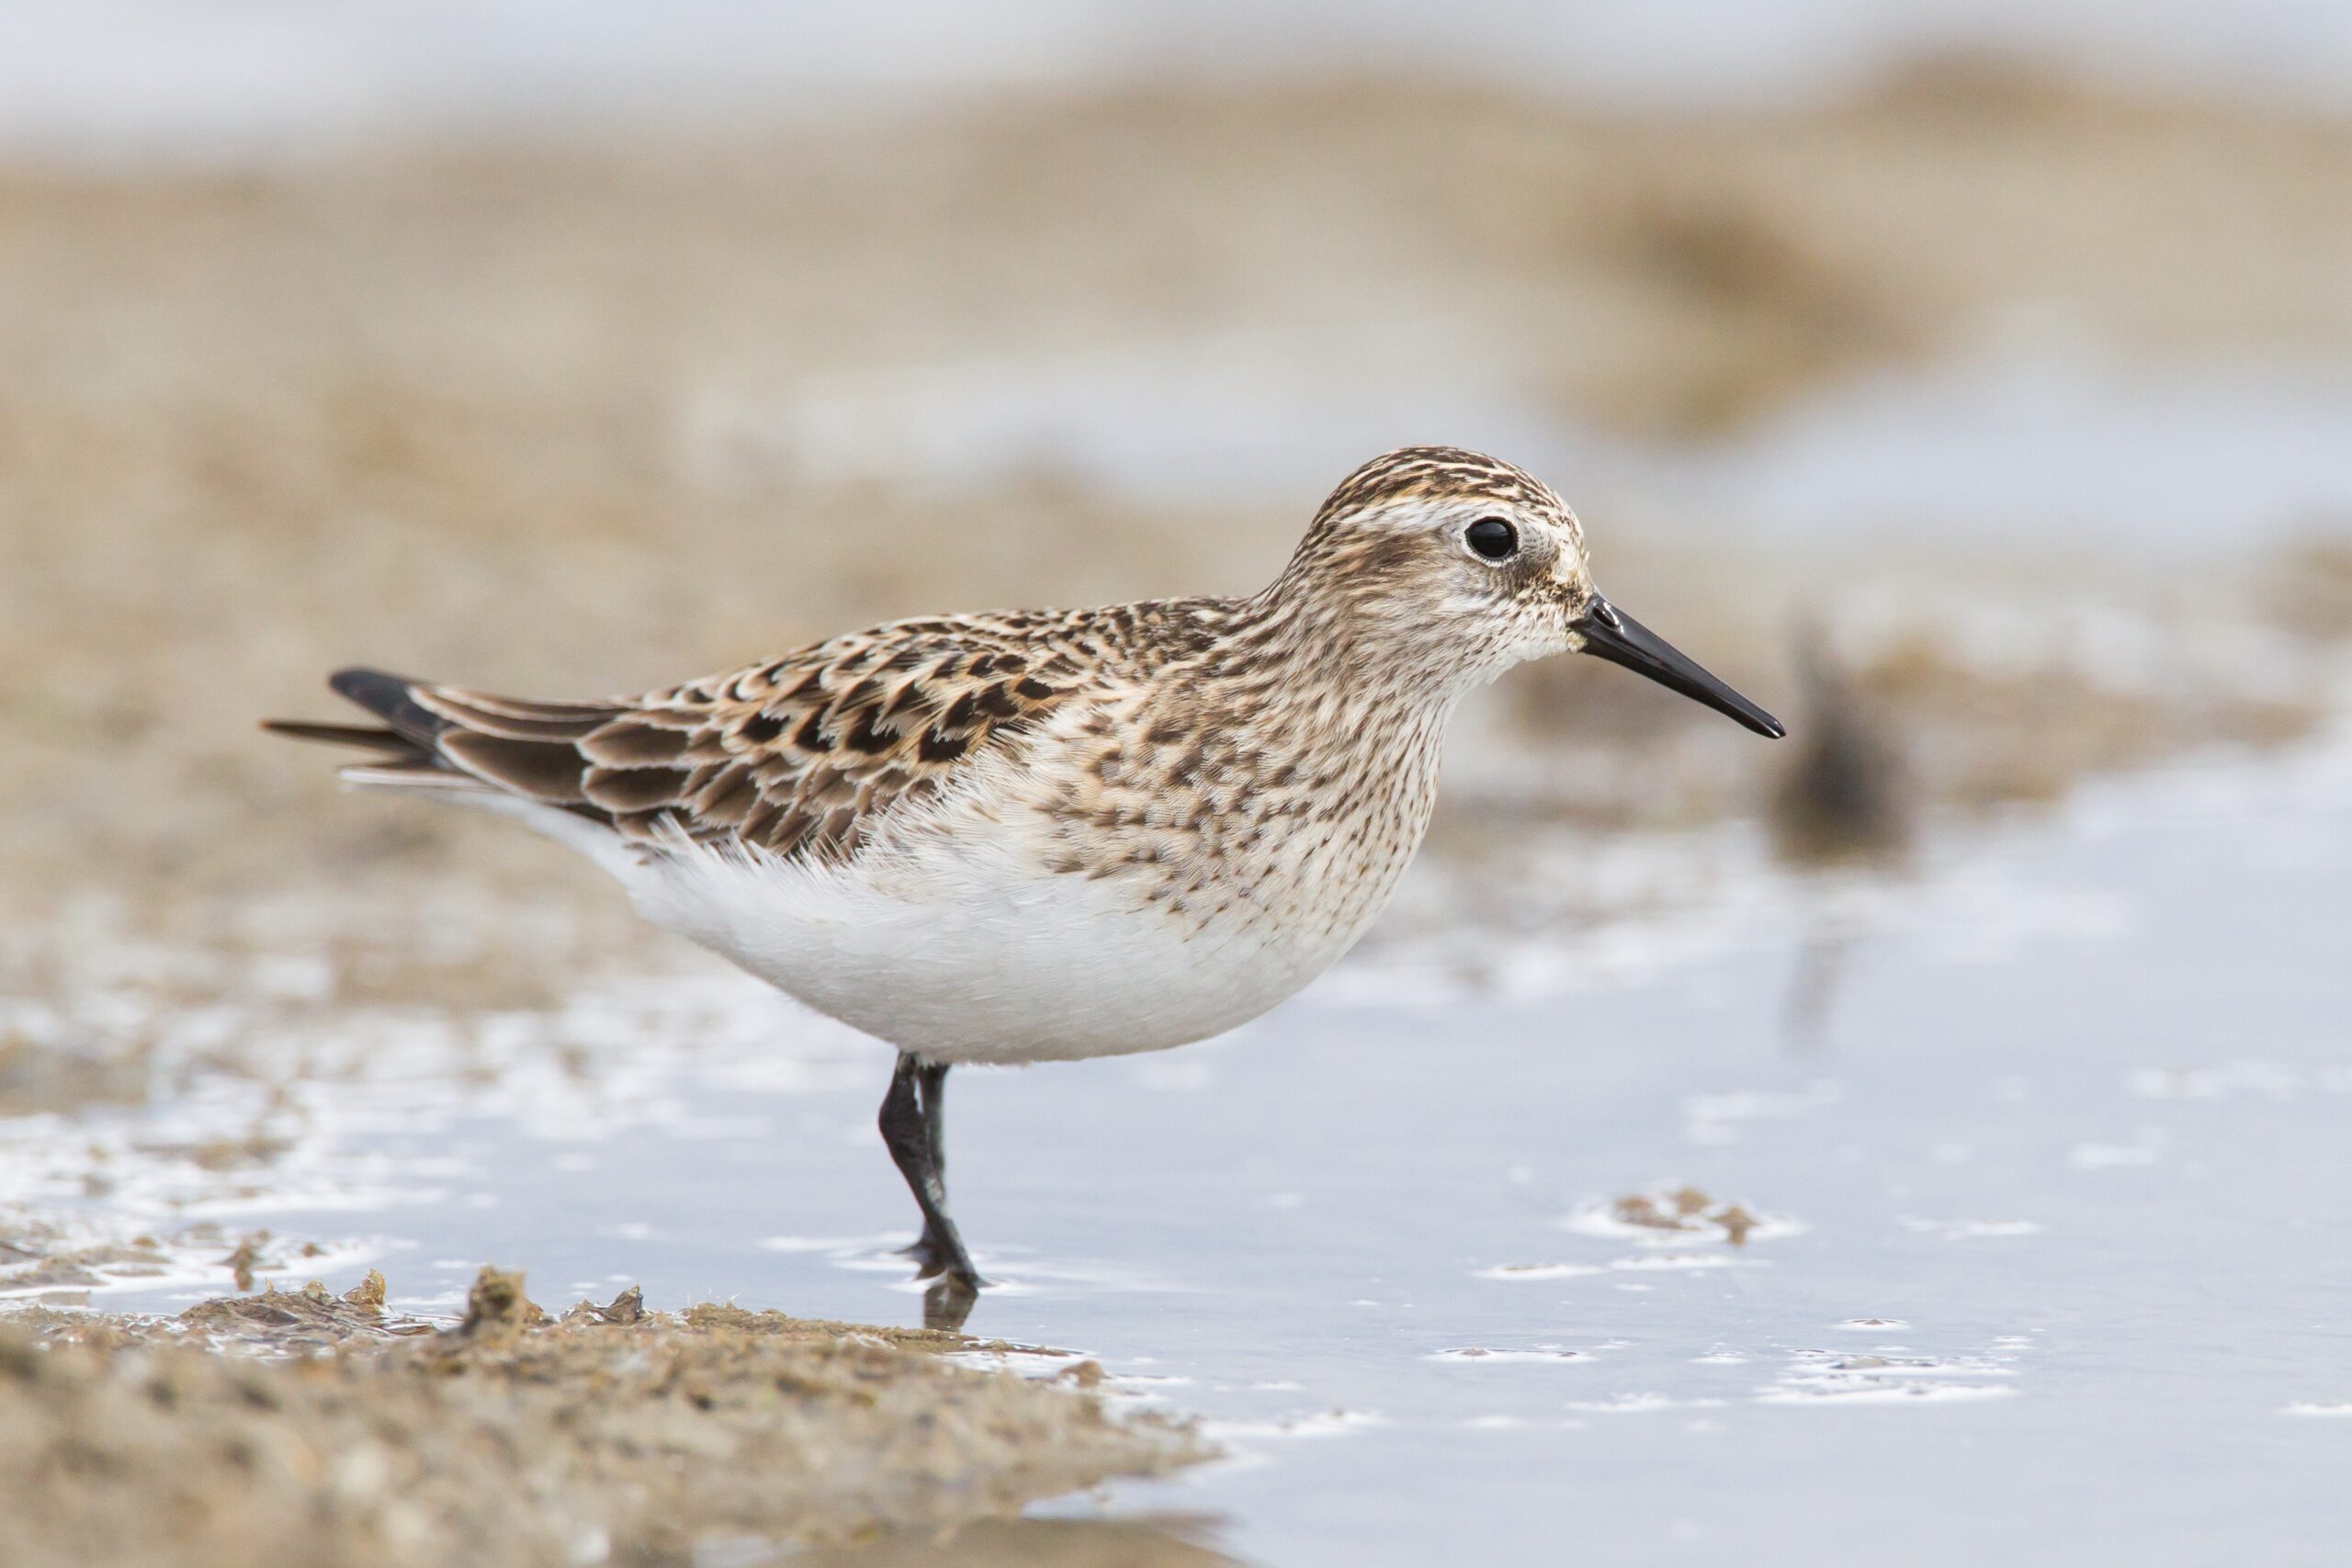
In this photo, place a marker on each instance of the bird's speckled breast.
(1119, 882)
(1235, 810)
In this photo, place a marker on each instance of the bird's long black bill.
(1608, 633)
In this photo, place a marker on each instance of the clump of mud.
(1686, 1209)
(1034, 1543)
(348, 1433)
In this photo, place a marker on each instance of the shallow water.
(2049, 1255)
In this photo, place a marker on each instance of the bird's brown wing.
(798, 756)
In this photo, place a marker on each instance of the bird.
(1844, 803)
(1048, 835)
(1845, 797)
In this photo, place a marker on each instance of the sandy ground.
(329, 1431)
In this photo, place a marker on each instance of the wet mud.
(306, 1427)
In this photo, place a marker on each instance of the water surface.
(2050, 1257)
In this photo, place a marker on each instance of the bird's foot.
(948, 1264)
(939, 1255)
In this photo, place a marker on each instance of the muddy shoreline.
(302, 1427)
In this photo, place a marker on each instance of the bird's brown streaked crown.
(1411, 473)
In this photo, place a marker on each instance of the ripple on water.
(1315, 1423)
(1971, 1229)
(1651, 1263)
(1641, 1405)
(2110, 1156)
(2265, 1079)
(1822, 1377)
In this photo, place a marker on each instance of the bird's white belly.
(963, 951)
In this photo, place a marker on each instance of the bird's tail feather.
(443, 740)
(373, 738)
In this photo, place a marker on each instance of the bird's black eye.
(1492, 538)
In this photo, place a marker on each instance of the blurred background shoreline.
(2027, 396)
(248, 80)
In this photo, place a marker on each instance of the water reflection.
(947, 1302)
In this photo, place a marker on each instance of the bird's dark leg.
(931, 1097)
(931, 1083)
(912, 1129)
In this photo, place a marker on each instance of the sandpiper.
(1049, 835)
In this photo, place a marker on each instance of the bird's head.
(1467, 565)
